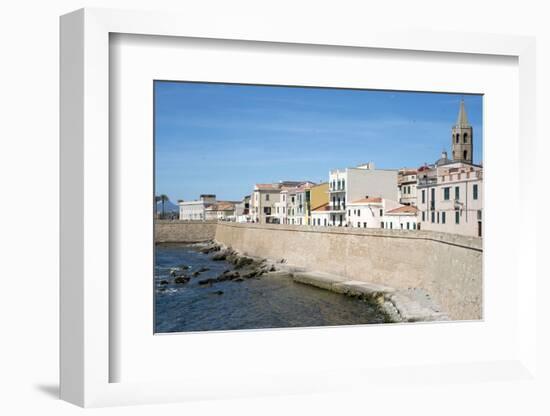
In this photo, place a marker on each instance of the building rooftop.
(405, 209)
(368, 200)
(321, 208)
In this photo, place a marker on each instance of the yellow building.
(316, 196)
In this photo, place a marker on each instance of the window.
(457, 193)
(475, 191)
(433, 216)
(349, 212)
(457, 217)
(358, 212)
(446, 193)
(391, 225)
(423, 196)
(443, 217)
(457, 138)
(364, 225)
(381, 213)
(325, 222)
(358, 224)
(267, 197)
(438, 217)
(423, 216)
(465, 154)
(465, 137)
(408, 228)
(382, 225)
(401, 226)
(343, 183)
(414, 226)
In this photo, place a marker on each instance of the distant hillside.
(168, 207)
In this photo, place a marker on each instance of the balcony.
(337, 208)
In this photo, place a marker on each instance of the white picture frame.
(86, 356)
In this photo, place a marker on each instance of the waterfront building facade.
(242, 210)
(320, 216)
(352, 184)
(316, 196)
(451, 200)
(403, 217)
(368, 212)
(406, 184)
(264, 199)
(221, 211)
(196, 210)
(449, 193)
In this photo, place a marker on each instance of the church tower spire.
(462, 137)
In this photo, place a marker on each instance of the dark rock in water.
(195, 274)
(172, 273)
(241, 262)
(210, 248)
(217, 292)
(203, 269)
(184, 266)
(205, 282)
(228, 275)
(238, 279)
(181, 280)
(164, 282)
(250, 273)
(222, 255)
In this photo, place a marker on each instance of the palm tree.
(157, 200)
(163, 199)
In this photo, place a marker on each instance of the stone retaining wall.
(175, 231)
(447, 266)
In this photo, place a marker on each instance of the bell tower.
(462, 138)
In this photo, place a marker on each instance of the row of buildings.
(445, 196)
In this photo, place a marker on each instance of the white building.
(352, 184)
(320, 216)
(403, 217)
(242, 210)
(369, 212)
(195, 210)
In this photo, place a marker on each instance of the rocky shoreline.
(411, 305)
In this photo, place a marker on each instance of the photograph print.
(294, 207)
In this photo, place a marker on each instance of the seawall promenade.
(447, 266)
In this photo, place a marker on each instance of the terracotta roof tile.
(321, 208)
(405, 209)
(369, 200)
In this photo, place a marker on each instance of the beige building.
(221, 211)
(406, 184)
(266, 198)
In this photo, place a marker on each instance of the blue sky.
(224, 138)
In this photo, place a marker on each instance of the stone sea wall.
(175, 231)
(447, 266)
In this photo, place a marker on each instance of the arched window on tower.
(465, 137)
(457, 137)
(465, 154)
